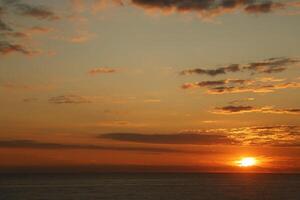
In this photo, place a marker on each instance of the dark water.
(150, 186)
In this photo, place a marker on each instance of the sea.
(150, 186)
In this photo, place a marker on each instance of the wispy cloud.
(69, 99)
(8, 48)
(203, 84)
(267, 135)
(277, 136)
(253, 88)
(38, 12)
(212, 72)
(268, 66)
(10, 31)
(31, 144)
(102, 70)
(271, 65)
(250, 109)
(228, 86)
(178, 138)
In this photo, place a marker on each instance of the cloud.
(214, 83)
(208, 8)
(26, 33)
(242, 100)
(4, 26)
(25, 9)
(8, 48)
(31, 144)
(274, 136)
(38, 30)
(101, 4)
(277, 136)
(264, 7)
(38, 12)
(80, 38)
(119, 123)
(102, 70)
(10, 31)
(28, 100)
(271, 65)
(212, 72)
(179, 138)
(15, 34)
(250, 109)
(228, 86)
(253, 88)
(152, 100)
(69, 99)
(268, 66)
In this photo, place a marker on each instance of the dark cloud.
(226, 86)
(207, 8)
(102, 70)
(31, 144)
(233, 109)
(214, 83)
(38, 12)
(250, 109)
(9, 31)
(15, 34)
(254, 88)
(271, 65)
(264, 7)
(180, 138)
(212, 72)
(69, 99)
(4, 26)
(25, 9)
(28, 100)
(7, 48)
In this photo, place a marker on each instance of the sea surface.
(154, 186)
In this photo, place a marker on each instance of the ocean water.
(154, 186)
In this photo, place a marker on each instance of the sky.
(169, 85)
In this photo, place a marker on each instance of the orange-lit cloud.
(69, 99)
(8, 48)
(102, 70)
(276, 136)
(215, 83)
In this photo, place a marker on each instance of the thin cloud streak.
(250, 109)
(268, 66)
(102, 70)
(31, 144)
(181, 138)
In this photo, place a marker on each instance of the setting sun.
(247, 162)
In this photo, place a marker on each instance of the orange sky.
(133, 85)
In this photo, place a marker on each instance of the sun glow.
(247, 162)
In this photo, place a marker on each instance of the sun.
(247, 162)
